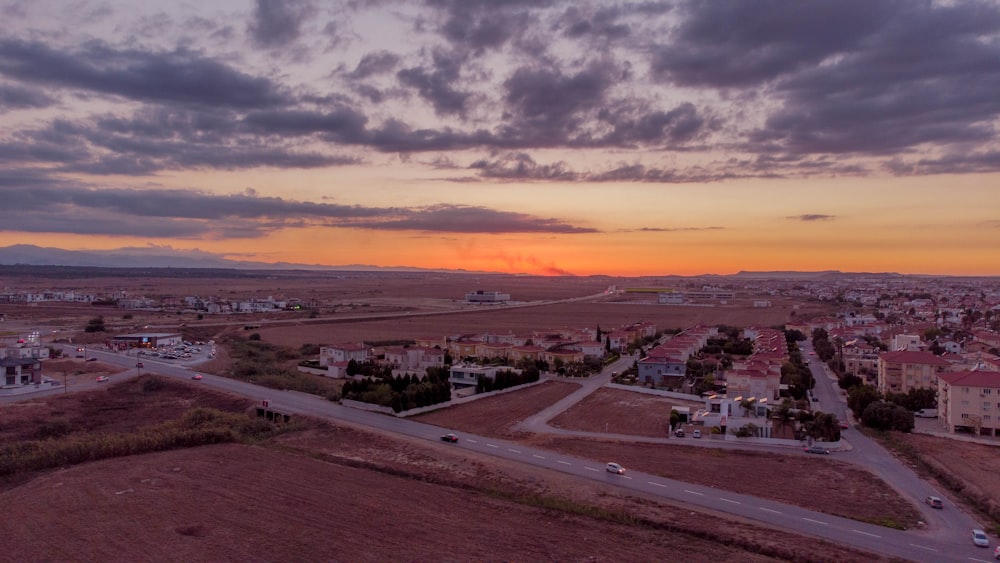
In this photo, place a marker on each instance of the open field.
(336, 492)
(614, 411)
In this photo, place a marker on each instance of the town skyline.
(561, 138)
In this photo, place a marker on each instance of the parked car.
(615, 468)
(843, 425)
(979, 538)
(103, 378)
(139, 364)
(679, 433)
(996, 552)
(934, 502)
(696, 433)
(817, 450)
(196, 376)
(449, 438)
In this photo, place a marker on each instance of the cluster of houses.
(467, 351)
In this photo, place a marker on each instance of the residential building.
(969, 401)
(900, 371)
(343, 353)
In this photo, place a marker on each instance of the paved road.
(945, 525)
(916, 546)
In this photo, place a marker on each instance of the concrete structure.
(898, 372)
(969, 401)
(21, 361)
(463, 376)
(145, 340)
(480, 296)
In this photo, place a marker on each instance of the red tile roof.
(977, 378)
(913, 357)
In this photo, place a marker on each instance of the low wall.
(420, 410)
(314, 371)
(658, 392)
(781, 442)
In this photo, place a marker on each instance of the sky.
(522, 136)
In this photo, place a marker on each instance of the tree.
(883, 415)
(95, 324)
(860, 396)
(352, 367)
(747, 406)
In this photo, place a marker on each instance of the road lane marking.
(591, 468)
(564, 462)
(769, 510)
(625, 477)
(865, 533)
(730, 500)
(815, 521)
(492, 446)
(657, 484)
(538, 456)
(924, 547)
(513, 451)
(694, 493)
(471, 441)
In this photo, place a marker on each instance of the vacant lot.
(616, 411)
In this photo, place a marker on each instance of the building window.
(965, 389)
(986, 404)
(965, 415)
(965, 403)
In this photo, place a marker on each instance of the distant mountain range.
(161, 257)
(166, 257)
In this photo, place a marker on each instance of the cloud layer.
(658, 93)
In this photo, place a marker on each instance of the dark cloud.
(577, 22)
(179, 76)
(653, 127)
(51, 205)
(437, 85)
(483, 24)
(467, 219)
(550, 105)
(378, 62)
(812, 217)
(16, 97)
(520, 166)
(924, 77)
(676, 229)
(278, 23)
(732, 43)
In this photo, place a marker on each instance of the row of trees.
(400, 393)
(506, 378)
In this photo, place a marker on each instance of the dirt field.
(337, 493)
(616, 411)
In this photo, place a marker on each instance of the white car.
(103, 378)
(615, 468)
(979, 538)
(696, 433)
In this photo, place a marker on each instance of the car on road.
(615, 468)
(843, 425)
(139, 364)
(449, 438)
(979, 538)
(103, 378)
(679, 433)
(996, 552)
(696, 433)
(817, 450)
(196, 377)
(934, 502)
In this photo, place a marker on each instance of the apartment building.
(900, 371)
(969, 401)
